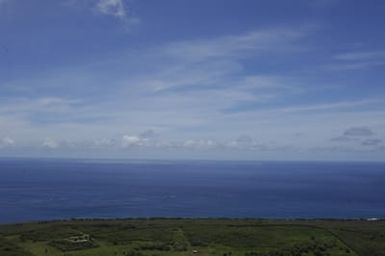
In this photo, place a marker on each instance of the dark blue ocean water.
(57, 189)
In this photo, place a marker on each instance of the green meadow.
(230, 237)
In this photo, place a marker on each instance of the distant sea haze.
(62, 189)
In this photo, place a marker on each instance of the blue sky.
(183, 79)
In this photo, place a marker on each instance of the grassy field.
(157, 237)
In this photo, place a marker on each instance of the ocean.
(44, 189)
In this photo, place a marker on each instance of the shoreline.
(155, 218)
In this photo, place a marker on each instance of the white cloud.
(145, 139)
(6, 142)
(112, 7)
(243, 141)
(131, 141)
(50, 143)
(117, 9)
(182, 95)
(104, 143)
(200, 144)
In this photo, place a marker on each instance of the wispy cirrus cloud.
(356, 60)
(313, 107)
(180, 90)
(361, 56)
(26, 106)
(278, 40)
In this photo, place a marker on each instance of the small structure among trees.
(79, 239)
(79, 242)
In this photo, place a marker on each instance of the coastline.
(190, 236)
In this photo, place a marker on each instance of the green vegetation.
(222, 237)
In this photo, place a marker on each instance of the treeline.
(66, 246)
(315, 248)
(161, 246)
